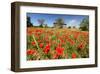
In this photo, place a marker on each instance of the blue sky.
(70, 20)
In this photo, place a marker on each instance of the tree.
(29, 24)
(46, 25)
(84, 25)
(69, 27)
(59, 23)
(41, 22)
(74, 27)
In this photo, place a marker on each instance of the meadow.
(52, 43)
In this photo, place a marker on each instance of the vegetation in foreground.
(51, 43)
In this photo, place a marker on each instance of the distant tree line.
(59, 23)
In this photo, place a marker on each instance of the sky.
(70, 20)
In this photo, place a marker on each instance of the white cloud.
(73, 22)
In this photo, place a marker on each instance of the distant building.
(64, 26)
(45, 25)
(57, 25)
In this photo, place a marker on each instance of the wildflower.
(29, 32)
(74, 55)
(31, 51)
(76, 35)
(71, 41)
(80, 46)
(59, 44)
(55, 56)
(59, 51)
(47, 48)
(39, 41)
(41, 45)
(33, 43)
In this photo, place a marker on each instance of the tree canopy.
(59, 23)
(84, 25)
(29, 24)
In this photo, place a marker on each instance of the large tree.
(29, 24)
(41, 22)
(84, 25)
(59, 23)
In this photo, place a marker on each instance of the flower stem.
(39, 50)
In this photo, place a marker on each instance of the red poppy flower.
(59, 45)
(41, 45)
(74, 55)
(70, 40)
(39, 41)
(29, 32)
(80, 46)
(47, 48)
(59, 51)
(30, 52)
(46, 38)
(55, 56)
(33, 43)
(76, 35)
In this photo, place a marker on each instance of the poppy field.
(52, 43)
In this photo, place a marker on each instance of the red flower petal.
(74, 55)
